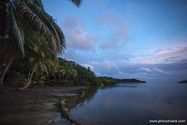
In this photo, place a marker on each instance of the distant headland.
(185, 81)
(125, 80)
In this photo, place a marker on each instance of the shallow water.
(129, 104)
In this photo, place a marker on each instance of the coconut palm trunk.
(6, 69)
(67, 77)
(27, 85)
(29, 73)
(3, 16)
(7, 53)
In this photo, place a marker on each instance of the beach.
(35, 106)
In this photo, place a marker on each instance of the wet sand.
(35, 106)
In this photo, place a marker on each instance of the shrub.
(67, 82)
(17, 79)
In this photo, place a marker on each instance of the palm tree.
(40, 58)
(26, 19)
(69, 70)
(59, 71)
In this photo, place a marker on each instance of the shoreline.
(36, 106)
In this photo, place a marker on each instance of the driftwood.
(82, 93)
(64, 113)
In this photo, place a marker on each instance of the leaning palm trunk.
(27, 85)
(29, 74)
(7, 53)
(3, 16)
(6, 69)
(67, 77)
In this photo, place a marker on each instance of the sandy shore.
(36, 106)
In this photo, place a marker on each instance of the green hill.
(125, 80)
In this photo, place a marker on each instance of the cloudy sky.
(142, 39)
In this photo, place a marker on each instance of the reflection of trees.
(108, 86)
(118, 85)
(89, 94)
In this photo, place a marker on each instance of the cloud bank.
(76, 35)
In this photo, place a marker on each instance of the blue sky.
(143, 39)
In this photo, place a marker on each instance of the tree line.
(67, 73)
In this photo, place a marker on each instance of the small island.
(185, 81)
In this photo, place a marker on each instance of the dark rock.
(82, 95)
(77, 123)
(71, 120)
(67, 116)
(64, 109)
(62, 103)
(76, 97)
(63, 99)
(81, 92)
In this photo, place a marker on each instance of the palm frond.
(45, 68)
(22, 35)
(17, 32)
(53, 27)
(77, 2)
(61, 37)
(32, 60)
(45, 45)
(39, 3)
(33, 20)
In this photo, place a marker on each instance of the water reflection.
(130, 104)
(77, 101)
(90, 92)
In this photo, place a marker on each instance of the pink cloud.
(167, 55)
(152, 71)
(147, 70)
(76, 35)
(158, 70)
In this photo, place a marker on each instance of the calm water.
(129, 104)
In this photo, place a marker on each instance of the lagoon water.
(129, 104)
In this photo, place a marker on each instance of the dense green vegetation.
(107, 81)
(84, 75)
(27, 30)
(68, 73)
(125, 80)
(184, 81)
